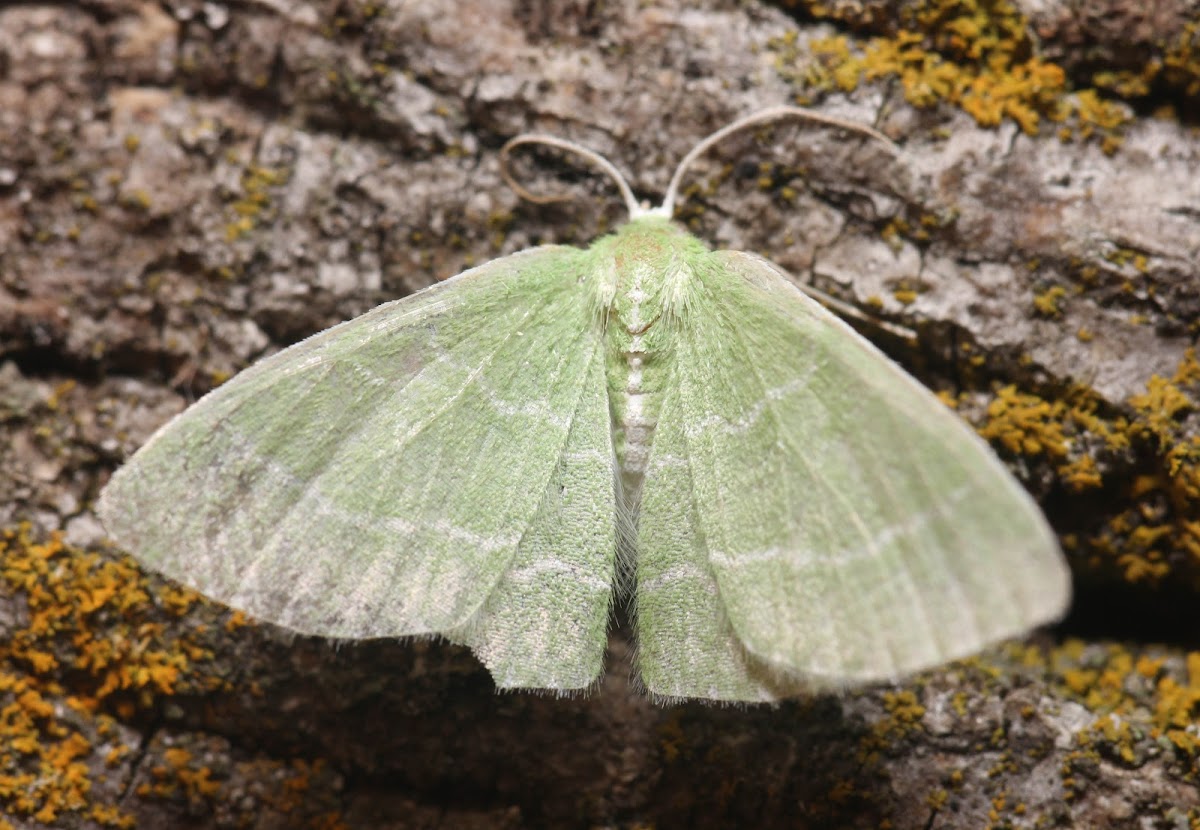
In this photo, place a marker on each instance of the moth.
(501, 457)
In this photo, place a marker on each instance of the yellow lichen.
(1160, 409)
(253, 206)
(1158, 535)
(99, 637)
(904, 716)
(88, 622)
(180, 776)
(1048, 303)
(1181, 61)
(1025, 424)
(135, 200)
(979, 56)
(1142, 705)
(1061, 433)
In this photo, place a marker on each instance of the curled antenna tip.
(779, 113)
(631, 203)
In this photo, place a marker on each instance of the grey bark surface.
(186, 187)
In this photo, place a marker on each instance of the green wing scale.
(843, 527)
(416, 470)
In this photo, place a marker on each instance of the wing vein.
(353, 435)
(583, 334)
(941, 552)
(798, 453)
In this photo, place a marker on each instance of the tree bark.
(186, 187)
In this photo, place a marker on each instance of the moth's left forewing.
(856, 529)
(441, 464)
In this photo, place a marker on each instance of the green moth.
(499, 458)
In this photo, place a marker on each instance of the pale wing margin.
(856, 528)
(384, 477)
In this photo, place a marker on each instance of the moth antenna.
(596, 159)
(761, 117)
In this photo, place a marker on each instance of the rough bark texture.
(185, 187)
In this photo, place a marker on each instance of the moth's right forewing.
(880, 534)
(821, 516)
